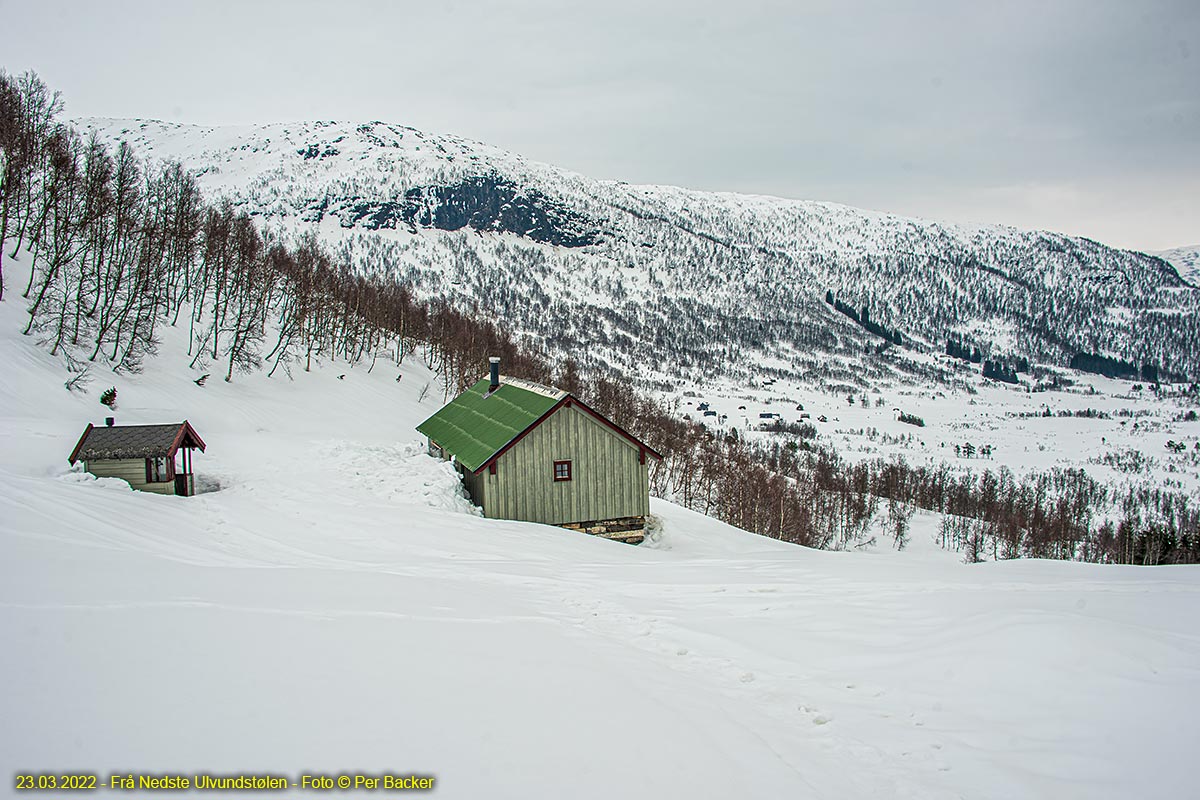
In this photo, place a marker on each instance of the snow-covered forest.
(658, 282)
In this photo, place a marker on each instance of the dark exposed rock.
(485, 203)
(316, 151)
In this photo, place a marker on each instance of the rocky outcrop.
(485, 203)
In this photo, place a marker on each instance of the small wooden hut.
(142, 455)
(535, 453)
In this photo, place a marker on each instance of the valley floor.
(337, 606)
(1115, 430)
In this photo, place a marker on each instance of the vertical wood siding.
(606, 479)
(130, 470)
(475, 485)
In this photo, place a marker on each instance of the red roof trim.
(186, 432)
(568, 401)
(522, 435)
(78, 447)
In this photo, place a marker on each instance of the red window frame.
(566, 477)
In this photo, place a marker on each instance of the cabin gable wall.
(608, 479)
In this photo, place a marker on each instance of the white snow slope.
(338, 607)
(1186, 261)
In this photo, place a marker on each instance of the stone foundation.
(631, 530)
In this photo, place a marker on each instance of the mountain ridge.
(680, 277)
(1186, 261)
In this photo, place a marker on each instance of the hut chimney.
(495, 384)
(110, 421)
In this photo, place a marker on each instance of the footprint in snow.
(747, 677)
(818, 718)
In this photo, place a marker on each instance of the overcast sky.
(1082, 117)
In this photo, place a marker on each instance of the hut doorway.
(185, 482)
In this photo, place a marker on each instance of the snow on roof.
(530, 386)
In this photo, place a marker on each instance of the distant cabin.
(142, 455)
(534, 453)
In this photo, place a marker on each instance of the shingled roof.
(134, 441)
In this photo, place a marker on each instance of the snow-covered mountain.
(635, 275)
(1185, 260)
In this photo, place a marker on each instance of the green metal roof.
(474, 426)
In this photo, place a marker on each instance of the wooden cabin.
(534, 453)
(142, 455)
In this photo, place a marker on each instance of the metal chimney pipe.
(495, 362)
(110, 421)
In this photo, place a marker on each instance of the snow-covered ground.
(336, 606)
(1116, 430)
